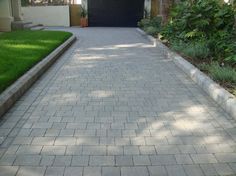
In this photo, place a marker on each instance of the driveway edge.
(221, 96)
(20, 86)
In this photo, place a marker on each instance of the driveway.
(113, 105)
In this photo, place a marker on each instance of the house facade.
(124, 13)
(10, 11)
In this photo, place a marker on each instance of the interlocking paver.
(92, 171)
(102, 161)
(72, 171)
(114, 105)
(108, 171)
(136, 171)
(8, 170)
(29, 171)
(55, 171)
(157, 171)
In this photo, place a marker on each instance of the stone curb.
(17, 89)
(225, 99)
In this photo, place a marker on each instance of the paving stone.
(141, 160)
(223, 169)
(108, 171)
(29, 171)
(226, 157)
(72, 171)
(8, 170)
(22, 140)
(47, 160)
(134, 171)
(101, 161)
(53, 150)
(94, 150)
(208, 169)
(92, 171)
(183, 159)
(62, 161)
(28, 149)
(80, 161)
(115, 150)
(43, 141)
(131, 150)
(7, 160)
(193, 170)
(55, 171)
(175, 170)
(107, 141)
(147, 150)
(74, 150)
(203, 158)
(65, 141)
(157, 171)
(162, 159)
(124, 160)
(52, 132)
(38, 132)
(27, 160)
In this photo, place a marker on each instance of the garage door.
(115, 13)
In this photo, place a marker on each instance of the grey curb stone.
(225, 99)
(17, 89)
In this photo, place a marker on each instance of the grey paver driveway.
(113, 105)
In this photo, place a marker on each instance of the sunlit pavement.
(113, 105)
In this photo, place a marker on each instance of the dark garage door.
(123, 13)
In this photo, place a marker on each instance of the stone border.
(225, 99)
(17, 89)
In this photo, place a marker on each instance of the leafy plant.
(197, 20)
(196, 50)
(151, 25)
(152, 30)
(223, 74)
(83, 12)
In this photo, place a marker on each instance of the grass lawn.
(20, 50)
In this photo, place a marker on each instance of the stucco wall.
(47, 15)
(5, 15)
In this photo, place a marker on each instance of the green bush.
(197, 20)
(196, 50)
(152, 30)
(151, 25)
(224, 74)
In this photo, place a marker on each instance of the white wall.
(5, 15)
(47, 15)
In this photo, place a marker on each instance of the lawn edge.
(221, 96)
(20, 86)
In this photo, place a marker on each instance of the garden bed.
(21, 50)
(203, 33)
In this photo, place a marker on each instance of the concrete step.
(37, 28)
(19, 25)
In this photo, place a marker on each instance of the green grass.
(21, 50)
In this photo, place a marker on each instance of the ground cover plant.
(20, 50)
(204, 33)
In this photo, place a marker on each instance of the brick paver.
(114, 105)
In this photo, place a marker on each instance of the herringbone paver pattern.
(113, 105)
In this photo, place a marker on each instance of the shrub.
(151, 25)
(223, 74)
(197, 20)
(194, 20)
(196, 50)
(152, 30)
